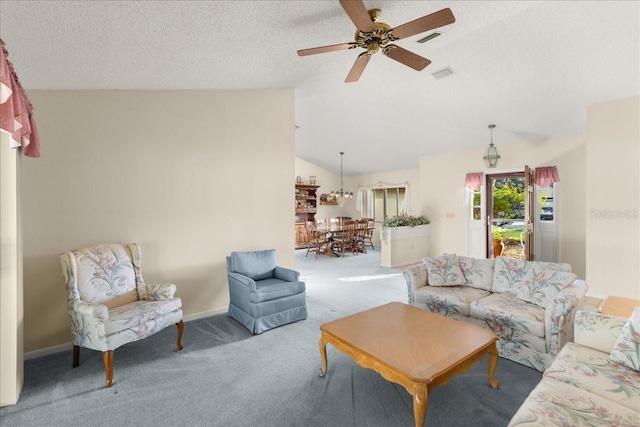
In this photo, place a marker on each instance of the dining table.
(332, 230)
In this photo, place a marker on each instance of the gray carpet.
(226, 377)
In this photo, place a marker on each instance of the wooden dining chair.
(336, 227)
(316, 237)
(344, 241)
(358, 242)
(371, 225)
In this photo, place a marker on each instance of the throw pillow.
(477, 272)
(444, 271)
(533, 282)
(626, 351)
(544, 284)
(509, 274)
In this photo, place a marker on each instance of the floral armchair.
(110, 304)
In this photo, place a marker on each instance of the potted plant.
(402, 220)
(497, 241)
(404, 239)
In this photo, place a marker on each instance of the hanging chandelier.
(341, 197)
(491, 156)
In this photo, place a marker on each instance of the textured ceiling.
(531, 68)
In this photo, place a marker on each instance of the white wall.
(442, 191)
(11, 312)
(613, 208)
(189, 175)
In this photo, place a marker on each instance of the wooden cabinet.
(306, 208)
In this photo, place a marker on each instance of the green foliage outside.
(508, 198)
(512, 234)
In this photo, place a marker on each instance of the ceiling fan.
(373, 36)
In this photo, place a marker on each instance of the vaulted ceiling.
(530, 67)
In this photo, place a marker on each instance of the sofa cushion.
(271, 289)
(560, 266)
(592, 371)
(556, 403)
(530, 281)
(477, 272)
(448, 300)
(444, 271)
(626, 350)
(258, 265)
(508, 311)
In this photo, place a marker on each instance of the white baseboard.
(203, 314)
(68, 346)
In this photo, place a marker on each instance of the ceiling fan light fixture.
(429, 37)
(373, 35)
(491, 156)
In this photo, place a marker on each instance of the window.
(388, 202)
(476, 205)
(546, 204)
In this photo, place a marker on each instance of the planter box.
(404, 245)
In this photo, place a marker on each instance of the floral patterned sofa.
(529, 305)
(594, 381)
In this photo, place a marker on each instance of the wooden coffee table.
(412, 347)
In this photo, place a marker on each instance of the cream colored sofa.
(529, 305)
(583, 386)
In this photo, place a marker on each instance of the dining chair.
(344, 241)
(358, 242)
(317, 238)
(371, 225)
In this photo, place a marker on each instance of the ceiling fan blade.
(323, 49)
(358, 67)
(405, 57)
(358, 15)
(426, 23)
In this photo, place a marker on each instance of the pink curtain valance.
(473, 181)
(16, 111)
(544, 176)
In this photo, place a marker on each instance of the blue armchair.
(262, 294)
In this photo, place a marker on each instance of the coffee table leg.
(420, 404)
(323, 355)
(493, 362)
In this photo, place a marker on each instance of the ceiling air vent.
(445, 72)
(429, 37)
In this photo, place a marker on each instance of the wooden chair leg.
(76, 356)
(107, 357)
(180, 326)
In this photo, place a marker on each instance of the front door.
(506, 199)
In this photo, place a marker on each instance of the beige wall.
(613, 208)
(442, 182)
(11, 311)
(189, 175)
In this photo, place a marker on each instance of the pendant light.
(341, 197)
(491, 156)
